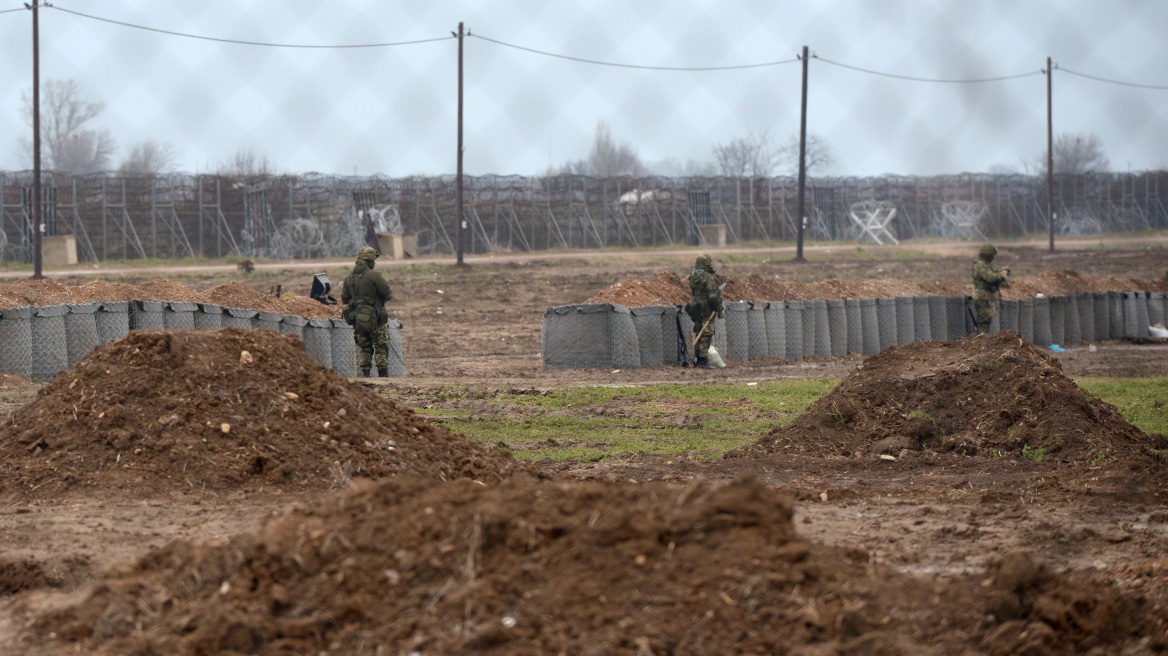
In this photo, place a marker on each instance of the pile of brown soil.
(667, 288)
(538, 567)
(231, 294)
(664, 288)
(160, 412)
(985, 395)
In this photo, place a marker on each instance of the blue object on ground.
(1057, 349)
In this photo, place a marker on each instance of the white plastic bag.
(715, 357)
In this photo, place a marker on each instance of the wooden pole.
(802, 164)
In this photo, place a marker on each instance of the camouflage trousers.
(983, 310)
(702, 348)
(369, 343)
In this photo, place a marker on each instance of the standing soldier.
(986, 282)
(365, 294)
(706, 302)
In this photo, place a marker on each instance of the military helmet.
(367, 253)
(705, 261)
(987, 251)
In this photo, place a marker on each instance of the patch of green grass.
(1142, 401)
(1030, 453)
(597, 423)
(919, 414)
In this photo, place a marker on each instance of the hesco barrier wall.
(606, 335)
(39, 342)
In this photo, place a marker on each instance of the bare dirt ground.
(1103, 524)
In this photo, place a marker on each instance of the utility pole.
(802, 164)
(1050, 214)
(37, 272)
(458, 175)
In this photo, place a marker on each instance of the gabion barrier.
(1086, 305)
(1042, 334)
(1026, 319)
(672, 331)
(590, 336)
(209, 317)
(775, 314)
(886, 321)
(1072, 333)
(855, 326)
(241, 318)
(737, 331)
(905, 321)
(343, 348)
(49, 347)
(793, 320)
(1008, 310)
(397, 360)
(958, 317)
(113, 321)
(921, 326)
(1100, 302)
(756, 320)
(649, 326)
(147, 315)
(179, 315)
(80, 331)
(1136, 304)
(870, 323)
(1115, 321)
(291, 325)
(1058, 319)
(16, 341)
(822, 339)
(1156, 308)
(318, 340)
(837, 328)
(268, 321)
(938, 318)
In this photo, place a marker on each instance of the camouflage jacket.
(704, 288)
(364, 285)
(987, 280)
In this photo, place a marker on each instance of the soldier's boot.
(704, 363)
(364, 373)
(383, 372)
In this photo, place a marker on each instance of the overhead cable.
(250, 43)
(637, 66)
(926, 79)
(1103, 79)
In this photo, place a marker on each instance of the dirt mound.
(538, 567)
(664, 288)
(231, 294)
(667, 288)
(987, 395)
(161, 412)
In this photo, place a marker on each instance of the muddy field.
(883, 521)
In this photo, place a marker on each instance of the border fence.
(114, 217)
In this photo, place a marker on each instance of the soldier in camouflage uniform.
(706, 301)
(986, 282)
(366, 287)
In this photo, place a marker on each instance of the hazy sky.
(392, 110)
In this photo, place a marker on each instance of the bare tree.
(64, 116)
(1073, 154)
(247, 163)
(819, 155)
(753, 156)
(150, 157)
(609, 158)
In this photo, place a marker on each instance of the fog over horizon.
(898, 87)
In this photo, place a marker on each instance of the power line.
(1108, 81)
(249, 43)
(9, 11)
(926, 79)
(637, 66)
